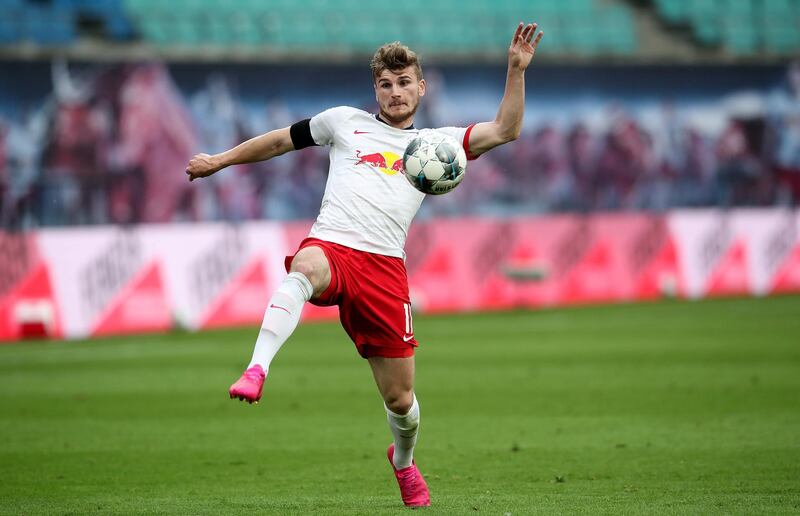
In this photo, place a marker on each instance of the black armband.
(301, 134)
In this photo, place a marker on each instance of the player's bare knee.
(311, 271)
(399, 402)
(305, 268)
(312, 263)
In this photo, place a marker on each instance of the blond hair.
(394, 57)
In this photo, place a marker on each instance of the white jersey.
(368, 203)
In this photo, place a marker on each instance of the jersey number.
(409, 320)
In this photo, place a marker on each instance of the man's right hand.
(202, 165)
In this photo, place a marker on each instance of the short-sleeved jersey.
(368, 203)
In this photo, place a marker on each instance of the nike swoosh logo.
(280, 308)
(406, 338)
(361, 132)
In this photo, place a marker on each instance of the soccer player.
(354, 256)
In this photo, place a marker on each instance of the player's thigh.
(313, 264)
(395, 380)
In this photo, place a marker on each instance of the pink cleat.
(413, 488)
(248, 387)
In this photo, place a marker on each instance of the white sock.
(281, 318)
(404, 429)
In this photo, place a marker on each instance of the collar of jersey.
(381, 120)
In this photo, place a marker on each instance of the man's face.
(398, 93)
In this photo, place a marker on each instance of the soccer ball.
(434, 162)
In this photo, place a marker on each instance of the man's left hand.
(523, 46)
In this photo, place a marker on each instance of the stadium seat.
(246, 30)
(453, 26)
(705, 19)
(738, 27)
(9, 27)
(47, 26)
(673, 11)
(780, 8)
(618, 35)
(737, 8)
(740, 35)
(157, 30)
(782, 37)
(467, 27)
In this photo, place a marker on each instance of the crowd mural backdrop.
(107, 143)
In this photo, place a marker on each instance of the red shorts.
(371, 291)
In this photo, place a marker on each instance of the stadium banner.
(541, 261)
(27, 301)
(773, 242)
(106, 281)
(113, 280)
(218, 275)
(109, 280)
(738, 252)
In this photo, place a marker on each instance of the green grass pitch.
(663, 408)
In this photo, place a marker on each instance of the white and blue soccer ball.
(434, 162)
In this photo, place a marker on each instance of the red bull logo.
(387, 162)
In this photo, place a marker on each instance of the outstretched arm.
(260, 148)
(508, 123)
